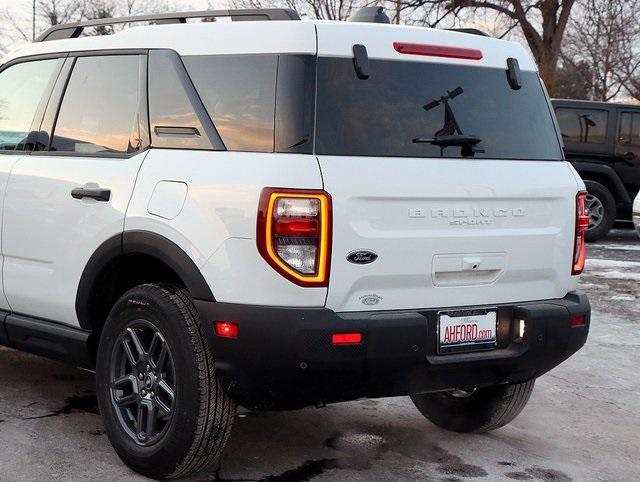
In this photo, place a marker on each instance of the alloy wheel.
(143, 382)
(596, 211)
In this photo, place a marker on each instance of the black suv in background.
(602, 141)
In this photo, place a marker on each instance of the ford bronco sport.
(278, 213)
(602, 142)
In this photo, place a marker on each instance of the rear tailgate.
(449, 233)
(489, 222)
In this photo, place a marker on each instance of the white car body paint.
(48, 236)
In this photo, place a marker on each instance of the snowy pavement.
(582, 421)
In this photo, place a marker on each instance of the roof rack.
(74, 30)
(472, 31)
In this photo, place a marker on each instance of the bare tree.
(55, 12)
(605, 36)
(320, 9)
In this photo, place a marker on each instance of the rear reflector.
(437, 51)
(578, 320)
(226, 329)
(346, 338)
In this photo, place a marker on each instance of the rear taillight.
(294, 234)
(582, 223)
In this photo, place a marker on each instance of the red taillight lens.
(226, 329)
(294, 234)
(582, 223)
(346, 338)
(578, 320)
(437, 51)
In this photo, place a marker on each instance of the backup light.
(294, 234)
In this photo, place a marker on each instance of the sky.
(21, 11)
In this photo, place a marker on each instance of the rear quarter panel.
(216, 224)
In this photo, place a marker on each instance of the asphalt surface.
(581, 423)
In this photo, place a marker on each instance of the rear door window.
(403, 101)
(583, 126)
(99, 110)
(21, 90)
(239, 94)
(629, 131)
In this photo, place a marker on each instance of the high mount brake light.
(437, 51)
(294, 234)
(582, 223)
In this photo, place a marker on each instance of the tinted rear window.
(239, 92)
(582, 126)
(381, 116)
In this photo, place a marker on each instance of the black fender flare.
(118, 247)
(585, 167)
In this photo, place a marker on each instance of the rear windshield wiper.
(450, 141)
(467, 143)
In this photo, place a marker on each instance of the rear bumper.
(283, 358)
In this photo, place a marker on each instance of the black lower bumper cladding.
(284, 358)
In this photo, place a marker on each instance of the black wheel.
(602, 210)
(163, 409)
(478, 410)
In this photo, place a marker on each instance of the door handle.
(97, 193)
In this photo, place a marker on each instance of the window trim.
(142, 109)
(42, 107)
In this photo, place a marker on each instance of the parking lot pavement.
(582, 421)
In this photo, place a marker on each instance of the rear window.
(402, 101)
(583, 126)
(239, 94)
(629, 129)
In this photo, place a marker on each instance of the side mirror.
(629, 158)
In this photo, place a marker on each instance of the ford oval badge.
(362, 257)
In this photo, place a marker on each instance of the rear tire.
(166, 415)
(481, 410)
(602, 210)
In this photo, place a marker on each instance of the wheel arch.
(133, 257)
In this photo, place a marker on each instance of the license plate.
(467, 330)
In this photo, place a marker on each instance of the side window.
(173, 117)
(99, 110)
(239, 94)
(21, 89)
(629, 130)
(583, 126)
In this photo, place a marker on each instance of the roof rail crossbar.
(472, 31)
(74, 30)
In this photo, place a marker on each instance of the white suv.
(279, 213)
